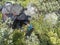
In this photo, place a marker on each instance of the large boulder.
(31, 10)
(7, 8)
(17, 9)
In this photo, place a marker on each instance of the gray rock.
(16, 9)
(31, 10)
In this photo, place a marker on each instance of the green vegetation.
(46, 34)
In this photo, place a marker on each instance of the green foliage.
(46, 34)
(18, 38)
(48, 5)
(0, 16)
(23, 2)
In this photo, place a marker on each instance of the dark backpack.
(22, 16)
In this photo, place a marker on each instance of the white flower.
(51, 18)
